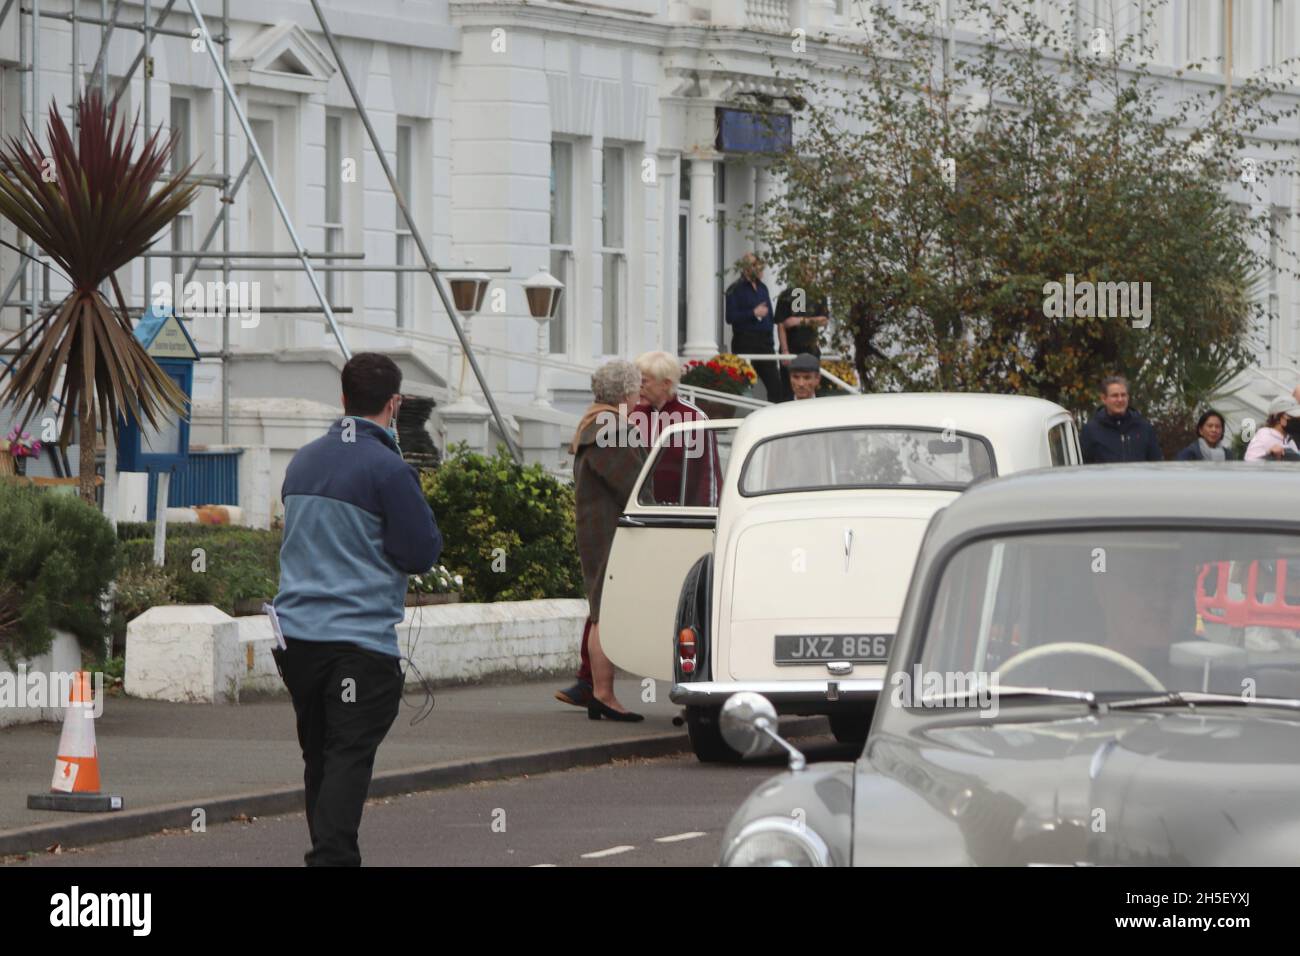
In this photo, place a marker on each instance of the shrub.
(140, 587)
(483, 504)
(58, 559)
(232, 564)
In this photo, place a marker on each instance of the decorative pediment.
(282, 57)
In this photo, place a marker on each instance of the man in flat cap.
(805, 376)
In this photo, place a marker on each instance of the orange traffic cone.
(76, 766)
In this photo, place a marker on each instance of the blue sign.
(140, 446)
(743, 131)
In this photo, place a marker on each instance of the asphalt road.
(665, 812)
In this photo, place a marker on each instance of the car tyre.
(706, 736)
(850, 726)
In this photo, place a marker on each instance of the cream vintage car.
(773, 553)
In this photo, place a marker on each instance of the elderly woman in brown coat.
(608, 455)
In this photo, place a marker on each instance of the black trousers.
(758, 343)
(345, 699)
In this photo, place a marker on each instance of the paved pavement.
(174, 757)
(663, 812)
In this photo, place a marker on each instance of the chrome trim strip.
(787, 691)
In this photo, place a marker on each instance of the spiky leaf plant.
(91, 204)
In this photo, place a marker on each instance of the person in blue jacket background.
(355, 526)
(1116, 431)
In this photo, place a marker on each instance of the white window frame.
(562, 253)
(613, 255)
(335, 233)
(404, 151)
(182, 227)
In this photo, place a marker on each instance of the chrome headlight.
(776, 841)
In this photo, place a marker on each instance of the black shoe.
(597, 710)
(579, 695)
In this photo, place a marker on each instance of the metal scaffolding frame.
(31, 300)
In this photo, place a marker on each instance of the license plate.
(820, 648)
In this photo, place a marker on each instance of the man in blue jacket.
(355, 525)
(1117, 432)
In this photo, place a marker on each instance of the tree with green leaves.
(938, 188)
(92, 205)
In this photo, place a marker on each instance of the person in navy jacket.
(355, 526)
(749, 313)
(1116, 431)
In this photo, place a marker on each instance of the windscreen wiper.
(1196, 698)
(1000, 693)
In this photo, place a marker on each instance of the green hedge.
(204, 564)
(483, 504)
(58, 557)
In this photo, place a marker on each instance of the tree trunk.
(86, 467)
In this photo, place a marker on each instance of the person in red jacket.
(660, 407)
(696, 453)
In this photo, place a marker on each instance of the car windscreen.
(1122, 611)
(865, 457)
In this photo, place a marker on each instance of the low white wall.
(198, 653)
(185, 652)
(63, 657)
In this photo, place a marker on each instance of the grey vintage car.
(1095, 665)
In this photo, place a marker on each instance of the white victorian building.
(580, 138)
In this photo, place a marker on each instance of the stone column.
(701, 297)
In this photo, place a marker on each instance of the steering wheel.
(1088, 650)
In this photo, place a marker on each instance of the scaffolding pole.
(270, 180)
(152, 23)
(414, 229)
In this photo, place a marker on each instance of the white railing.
(768, 16)
(828, 357)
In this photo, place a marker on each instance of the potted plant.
(723, 373)
(20, 446)
(435, 586)
(842, 370)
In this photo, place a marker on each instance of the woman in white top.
(1272, 441)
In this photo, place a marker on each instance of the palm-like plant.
(91, 206)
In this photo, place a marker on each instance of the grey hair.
(660, 365)
(614, 381)
(1110, 380)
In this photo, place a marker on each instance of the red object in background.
(1246, 611)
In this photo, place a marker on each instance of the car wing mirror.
(748, 724)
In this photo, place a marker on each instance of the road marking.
(612, 851)
(536, 865)
(677, 837)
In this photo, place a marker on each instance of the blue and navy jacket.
(355, 525)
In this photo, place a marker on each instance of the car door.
(666, 526)
(1063, 442)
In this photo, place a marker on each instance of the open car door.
(666, 526)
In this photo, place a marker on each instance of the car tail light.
(686, 650)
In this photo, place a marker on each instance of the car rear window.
(866, 457)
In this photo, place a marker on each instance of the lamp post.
(467, 292)
(543, 292)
